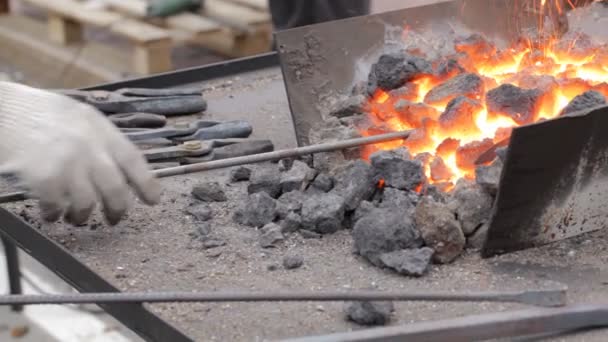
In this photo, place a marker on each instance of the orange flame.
(559, 70)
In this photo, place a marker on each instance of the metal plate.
(323, 61)
(553, 184)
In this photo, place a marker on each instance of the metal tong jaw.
(155, 101)
(196, 151)
(196, 130)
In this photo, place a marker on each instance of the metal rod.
(281, 154)
(255, 158)
(539, 298)
(489, 326)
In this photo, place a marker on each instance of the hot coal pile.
(425, 200)
(462, 104)
(381, 202)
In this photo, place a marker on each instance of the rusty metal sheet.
(323, 61)
(554, 183)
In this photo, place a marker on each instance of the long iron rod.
(547, 298)
(489, 326)
(254, 158)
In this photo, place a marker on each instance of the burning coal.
(462, 105)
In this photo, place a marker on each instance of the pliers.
(156, 101)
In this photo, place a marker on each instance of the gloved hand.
(69, 155)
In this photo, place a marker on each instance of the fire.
(456, 131)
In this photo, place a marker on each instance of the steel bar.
(13, 270)
(256, 158)
(511, 324)
(547, 298)
(281, 154)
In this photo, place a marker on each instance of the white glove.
(69, 155)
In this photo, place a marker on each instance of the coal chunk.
(351, 106)
(200, 213)
(478, 239)
(209, 192)
(474, 45)
(323, 213)
(298, 177)
(354, 184)
(472, 205)
(291, 223)
(240, 174)
(290, 202)
(467, 155)
(404, 201)
(468, 85)
(369, 313)
(409, 262)
(267, 179)
(488, 176)
(258, 210)
(409, 92)
(587, 100)
(413, 113)
(395, 171)
(449, 68)
(459, 116)
(383, 231)
(440, 171)
(440, 230)
(323, 182)
(364, 209)
(292, 262)
(393, 70)
(519, 104)
(214, 243)
(270, 235)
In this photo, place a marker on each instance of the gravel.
(369, 313)
(209, 192)
(292, 262)
(240, 174)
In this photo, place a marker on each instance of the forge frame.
(536, 204)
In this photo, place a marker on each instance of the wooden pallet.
(228, 28)
(234, 28)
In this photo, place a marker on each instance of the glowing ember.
(456, 127)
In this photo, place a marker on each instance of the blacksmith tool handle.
(116, 102)
(138, 120)
(171, 131)
(257, 158)
(150, 92)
